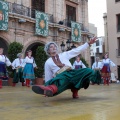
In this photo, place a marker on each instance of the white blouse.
(108, 61)
(97, 65)
(51, 68)
(4, 59)
(78, 63)
(29, 60)
(17, 63)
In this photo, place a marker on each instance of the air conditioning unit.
(61, 29)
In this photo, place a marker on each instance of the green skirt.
(74, 78)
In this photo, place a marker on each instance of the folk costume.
(28, 71)
(72, 79)
(3, 72)
(78, 65)
(18, 70)
(97, 66)
(106, 72)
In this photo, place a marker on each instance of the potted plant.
(40, 59)
(13, 49)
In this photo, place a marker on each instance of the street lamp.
(62, 46)
(68, 45)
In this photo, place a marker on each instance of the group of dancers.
(69, 78)
(23, 68)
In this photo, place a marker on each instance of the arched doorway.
(4, 45)
(33, 47)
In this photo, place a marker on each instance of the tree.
(40, 59)
(13, 49)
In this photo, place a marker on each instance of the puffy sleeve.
(112, 64)
(83, 65)
(14, 64)
(93, 66)
(34, 63)
(73, 67)
(8, 63)
(24, 62)
(48, 72)
(76, 51)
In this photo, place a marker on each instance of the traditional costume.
(78, 65)
(28, 71)
(3, 72)
(18, 70)
(106, 72)
(97, 66)
(72, 79)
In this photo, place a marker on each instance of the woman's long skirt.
(74, 78)
(3, 71)
(28, 71)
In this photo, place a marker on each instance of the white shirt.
(17, 62)
(108, 61)
(97, 65)
(5, 60)
(78, 63)
(51, 68)
(29, 60)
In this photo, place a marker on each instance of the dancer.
(69, 79)
(18, 70)
(78, 63)
(97, 66)
(3, 62)
(29, 65)
(106, 72)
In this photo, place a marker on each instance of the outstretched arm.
(76, 51)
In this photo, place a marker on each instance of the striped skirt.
(28, 71)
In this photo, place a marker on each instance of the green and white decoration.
(3, 15)
(41, 23)
(75, 31)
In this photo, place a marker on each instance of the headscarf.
(46, 48)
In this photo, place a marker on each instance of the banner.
(41, 23)
(75, 31)
(3, 15)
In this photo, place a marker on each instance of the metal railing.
(68, 24)
(25, 11)
(118, 52)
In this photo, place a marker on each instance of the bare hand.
(92, 40)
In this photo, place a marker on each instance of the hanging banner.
(3, 15)
(75, 31)
(41, 24)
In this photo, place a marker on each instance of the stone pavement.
(95, 103)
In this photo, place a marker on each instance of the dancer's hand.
(92, 40)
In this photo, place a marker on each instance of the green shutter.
(41, 24)
(3, 15)
(75, 31)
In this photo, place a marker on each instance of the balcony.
(25, 11)
(68, 24)
(118, 52)
(75, 1)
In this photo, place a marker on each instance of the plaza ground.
(95, 103)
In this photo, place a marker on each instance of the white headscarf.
(19, 54)
(46, 48)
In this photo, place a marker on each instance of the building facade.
(112, 33)
(22, 21)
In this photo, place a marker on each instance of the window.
(70, 13)
(117, 0)
(118, 23)
(97, 43)
(38, 5)
(97, 50)
(118, 51)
